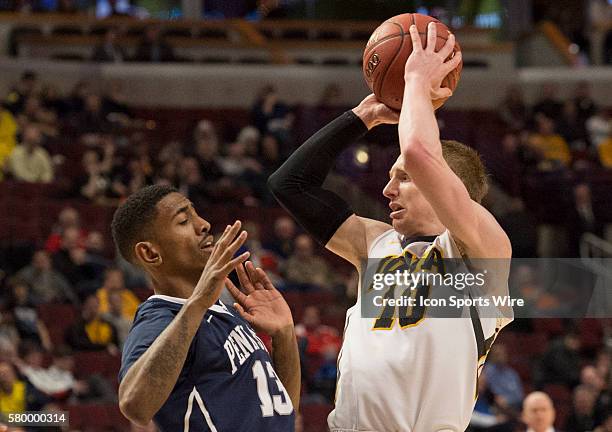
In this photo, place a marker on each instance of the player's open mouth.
(207, 244)
(397, 210)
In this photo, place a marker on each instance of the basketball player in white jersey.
(410, 373)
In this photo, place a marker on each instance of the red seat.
(97, 362)
(57, 318)
(96, 418)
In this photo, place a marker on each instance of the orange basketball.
(387, 51)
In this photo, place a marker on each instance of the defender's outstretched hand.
(259, 302)
(428, 65)
(220, 264)
(373, 113)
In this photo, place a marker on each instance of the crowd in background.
(71, 264)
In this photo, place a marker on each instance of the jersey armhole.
(378, 239)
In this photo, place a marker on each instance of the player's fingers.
(432, 36)
(234, 291)
(230, 234)
(231, 250)
(227, 268)
(454, 62)
(250, 269)
(441, 93)
(416, 39)
(264, 279)
(448, 47)
(244, 314)
(245, 281)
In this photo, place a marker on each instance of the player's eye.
(184, 222)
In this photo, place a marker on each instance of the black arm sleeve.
(297, 184)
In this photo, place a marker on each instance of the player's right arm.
(149, 380)
(297, 184)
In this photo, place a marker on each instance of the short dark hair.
(132, 219)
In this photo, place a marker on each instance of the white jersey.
(420, 377)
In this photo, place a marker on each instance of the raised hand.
(219, 265)
(428, 65)
(259, 302)
(373, 113)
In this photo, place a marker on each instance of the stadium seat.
(57, 317)
(97, 362)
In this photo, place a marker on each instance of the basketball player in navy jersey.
(190, 362)
(406, 370)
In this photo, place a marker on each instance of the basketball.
(387, 51)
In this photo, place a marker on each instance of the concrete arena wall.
(233, 86)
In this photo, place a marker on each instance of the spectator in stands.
(319, 337)
(548, 104)
(606, 426)
(91, 332)
(571, 127)
(250, 137)
(25, 316)
(8, 136)
(490, 411)
(95, 259)
(69, 260)
(115, 103)
(114, 283)
(539, 412)
(48, 285)
(52, 100)
(153, 47)
(109, 50)
(13, 395)
(551, 147)
(581, 219)
(583, 101)
(191, 183)
(9, 336)
(503, 381)
(561, 362)
(268, 109)
(321, 345)
(28, 85)
(282, 241)
(95, 183)
(582, 418)
(92, 119)
(306, 270)
(36, 114)
(68, 218)
(29, 161)
(243, 170)
(116, 316)
(591, 378)
(51, 383)
(513, 111)
(599, 126)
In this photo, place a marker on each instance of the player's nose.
(390, 190)
(202, 225)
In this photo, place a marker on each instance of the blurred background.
(100, 98)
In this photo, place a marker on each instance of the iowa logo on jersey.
(409, 316)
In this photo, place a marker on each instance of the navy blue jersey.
(227, 383)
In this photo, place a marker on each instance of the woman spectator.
(26, 319)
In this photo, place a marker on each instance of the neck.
(174, 286)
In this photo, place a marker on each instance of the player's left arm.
(468, 222)
(266, 310)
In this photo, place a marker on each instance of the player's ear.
(148, 254)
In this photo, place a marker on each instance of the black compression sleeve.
(297, 184)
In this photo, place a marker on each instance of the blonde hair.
(467, 165)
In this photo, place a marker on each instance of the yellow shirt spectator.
(552, 147)
(8, 130)
(129, 302)
(15, 400)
